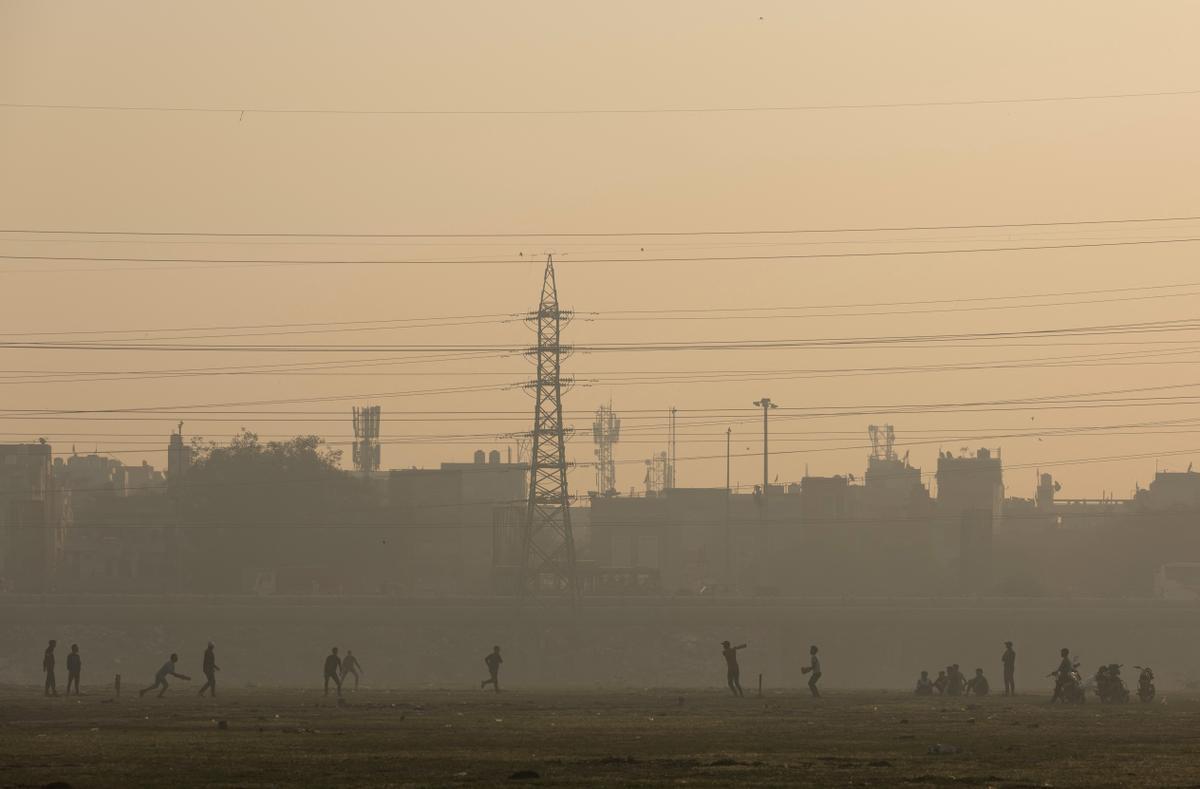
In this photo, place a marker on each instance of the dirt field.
(700, 738)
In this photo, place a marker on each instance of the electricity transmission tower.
(548, 554)
(366, 438)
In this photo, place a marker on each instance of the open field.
(279, 737)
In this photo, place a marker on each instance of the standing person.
(48, 667)
(955, 682)
(210, 669)
(74, 667)
(333, 667)
(814, 668)
(1009, 659)
(493, 662)
(924, 685)
(351, 666)
(160, 679)
(733, 674)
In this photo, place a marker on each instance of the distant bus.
(1178, 581)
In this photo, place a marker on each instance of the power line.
(610, 234)
(682, 313)
(1147, 327)
(662, 110)
(286, 262)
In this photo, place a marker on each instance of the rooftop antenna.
(366, 438)
(606, 431)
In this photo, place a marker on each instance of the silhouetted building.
(445, 522)
(970, 482)
(893, 488)
(86, 475)
(32, 518)
(1174, 490)
(824, 499)
(121, 544)
(142, 480)
(179, 457)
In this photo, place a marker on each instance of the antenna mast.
(366, 438)
(606, 431)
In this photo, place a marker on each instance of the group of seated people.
(951, 682)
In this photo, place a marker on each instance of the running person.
(160, 679)
(333, 667)
(493, 662)
(350, 665)
(733, 673)
(814, 668)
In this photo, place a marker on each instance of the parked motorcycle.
(1146, 687)
(1069, 689)
(1110, 687)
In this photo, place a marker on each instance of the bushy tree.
(253, 504)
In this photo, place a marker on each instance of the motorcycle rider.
(1063, 674)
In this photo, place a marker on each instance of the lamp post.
(764, 539)
(766, 406)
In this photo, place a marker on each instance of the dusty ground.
(653, 737)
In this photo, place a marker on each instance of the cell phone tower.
(606, 431)
(883, 441)
(366, 438)
(548, 553)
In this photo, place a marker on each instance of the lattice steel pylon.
(548, 555)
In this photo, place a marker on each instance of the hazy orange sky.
(590, 173)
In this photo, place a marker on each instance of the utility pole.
(728, 440)
(669, 466)
(548, 555)
(728, 497)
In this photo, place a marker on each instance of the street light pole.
(766, 406)
(764, 548)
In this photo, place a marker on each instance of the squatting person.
(160, 679)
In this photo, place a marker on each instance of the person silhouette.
(493, 661)
(1009, 660)
(48, 667)
(160, 679)
(74, 668)
(333, 667)
(733, 673)
(813, 668)
(210, 669)
(350, 665)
